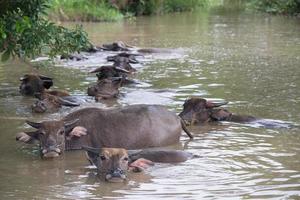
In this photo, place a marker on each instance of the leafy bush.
(148, 7)
(84, 10)
(25, 33)
(180, 5)
(276, 6)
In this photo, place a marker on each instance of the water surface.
(250, 60)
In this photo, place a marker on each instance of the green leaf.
(5, 56)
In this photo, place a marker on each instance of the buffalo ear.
(23, 78)
(77, 131)
(47, 81)
(27, 137)
(92, 154)
(47, 84)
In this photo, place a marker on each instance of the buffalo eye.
(61, 132)
(42, 132)
(102, 157)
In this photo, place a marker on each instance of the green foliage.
(276, 6)
(144, 7)
(179, 5)
(25, 33)
(84, 10)
(113, 10)
(149, 7)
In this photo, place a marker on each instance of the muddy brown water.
(252, 61)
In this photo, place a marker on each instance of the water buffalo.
(50, 103)
(33, 83)
(92, 49)
(121, 46)
(124, 63)
(75, 57)
(105, 89)
(130, 56)
(104, 72)
(197, 110)
(113, 163)
(130, 127)
(116, 46)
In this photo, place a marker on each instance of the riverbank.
(115, 10)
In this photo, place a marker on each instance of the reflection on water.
(250, 60)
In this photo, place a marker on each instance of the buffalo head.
(104, 72)
(113, 163)
(106, 89)
(124, 63)
(32, 83)
(52, 136)
(130, 56)
(116, 46)
(198, 110)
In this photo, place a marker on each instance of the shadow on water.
(250, 60)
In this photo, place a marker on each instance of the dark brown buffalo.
(130, 127)
(106, 88)
(130, 56)
(104, 72)
(121, 46)
(50, 103)
(33, 83)
(92, 49)
(113, 163)
(154, 50)
(124, 63)
(116, 46)
(198, 110)
(75, 57)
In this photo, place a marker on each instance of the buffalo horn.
(44, 78)
(34, 124)
(65, 102)
(91, 149)
(122, 70)
(96, 70)
(116, 79)
(210, 104)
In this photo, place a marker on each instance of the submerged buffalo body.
(198, 110)
(50, 103)
(130, 127)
